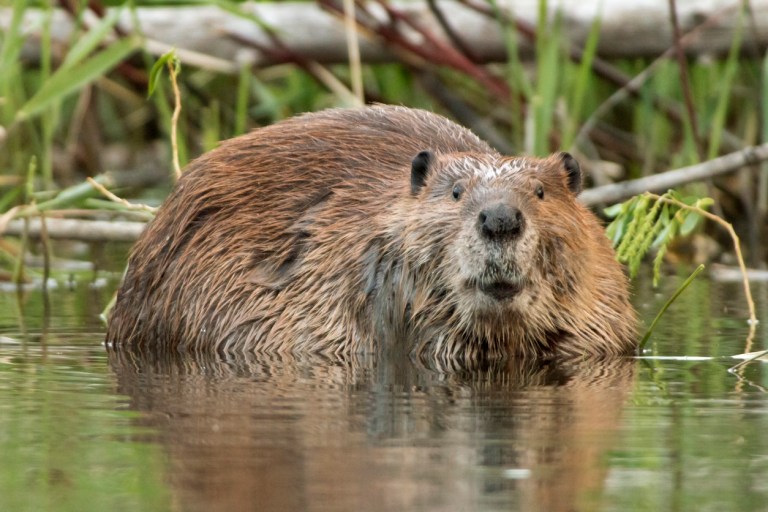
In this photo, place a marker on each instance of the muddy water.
(84, 429)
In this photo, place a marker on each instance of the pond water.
(84, 429)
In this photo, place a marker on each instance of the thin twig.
(112, 197)
(46, 243)
(279, 52)
(353, 48)
(462, 111)
(430, 48)
(434, 49)
(6, 217)
(452, 35)
(191, 57)
(601, 67)
(754, 357)
(175, 120)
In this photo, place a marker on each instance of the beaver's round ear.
(573, 172)
(420, 170)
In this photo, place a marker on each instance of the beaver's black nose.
(500, 221)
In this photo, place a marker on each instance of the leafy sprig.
(650, 222)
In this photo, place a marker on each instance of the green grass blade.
(548, 71)
(719, 118)
(69, 197)
(158, 67)
(49, 118)
(672, 299)
(243, 95)
(582, 82)
(67, 81)
(520, 87)
(12, 43)
(9, 198)
(91, 40)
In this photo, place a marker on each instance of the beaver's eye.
(540, 192)
(458, 190)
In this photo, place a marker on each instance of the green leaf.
(72, 196)
(666, 234)
(615, 230)
(667, 226)
(613, 211)
(637, 211)
(157, 68)
(657, 261)
(30, 182)
(8, 198)
(67, 81)
(689, 224)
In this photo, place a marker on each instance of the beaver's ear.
(420, 170)
(573, 172)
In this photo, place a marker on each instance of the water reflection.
(278, 433)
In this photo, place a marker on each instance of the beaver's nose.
(500, 221)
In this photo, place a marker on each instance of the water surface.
(85, 429)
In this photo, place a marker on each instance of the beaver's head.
(503, 236)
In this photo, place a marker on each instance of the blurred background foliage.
(80, 109)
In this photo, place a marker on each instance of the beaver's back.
(230, 230)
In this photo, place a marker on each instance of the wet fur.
(322, 233)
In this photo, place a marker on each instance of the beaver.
(350, 230)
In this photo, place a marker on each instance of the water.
(84, 429)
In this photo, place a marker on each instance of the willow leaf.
(159, 65)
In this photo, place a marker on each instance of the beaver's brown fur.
(352, 230)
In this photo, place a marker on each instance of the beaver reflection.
(276, 433)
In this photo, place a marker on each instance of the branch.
(76, 229)
(618, 192)
(115, 199)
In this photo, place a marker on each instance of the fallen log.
(220, 40)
